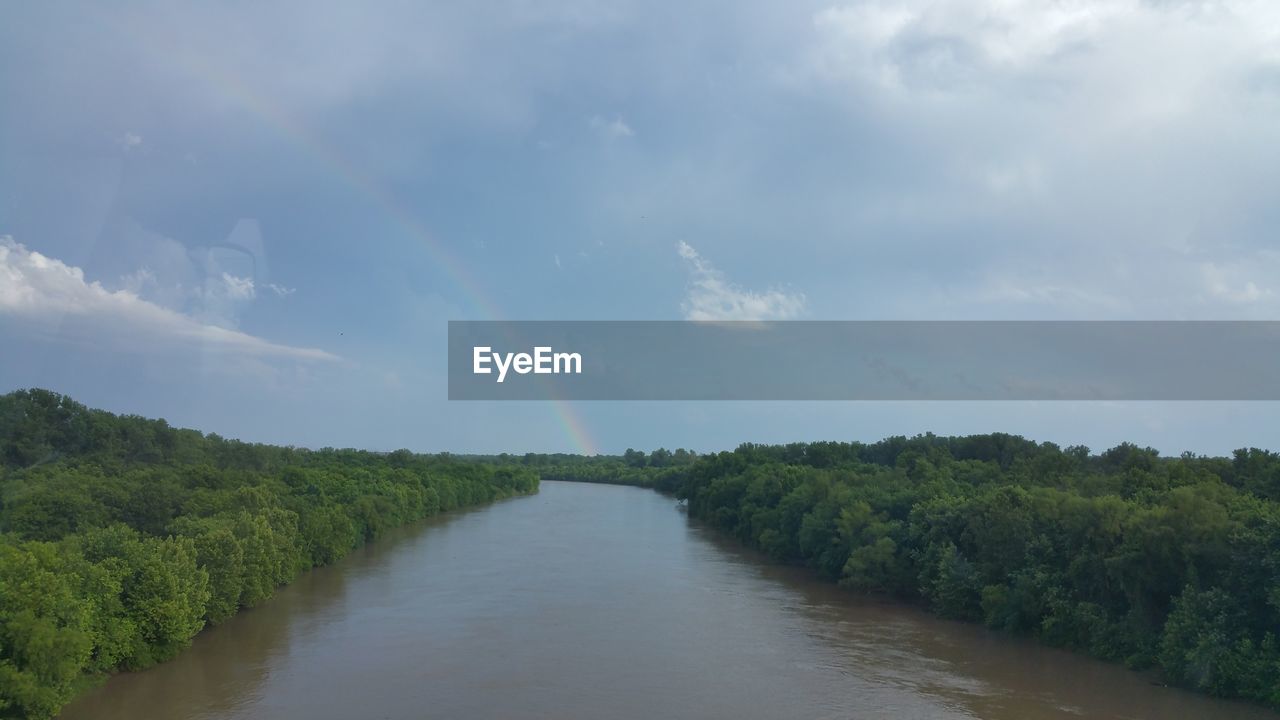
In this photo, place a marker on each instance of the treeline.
(661, 469)
(122, 537)
(1156, 562)
(1165, 563)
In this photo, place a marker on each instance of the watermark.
(543, 361)
(864, 360)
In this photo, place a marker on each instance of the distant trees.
(660, 469)
(121, 537)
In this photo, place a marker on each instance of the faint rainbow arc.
(570, 421)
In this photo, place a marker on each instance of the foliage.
(660, 469)
(122, 537)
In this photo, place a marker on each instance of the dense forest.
(1164, 563)
(121, 537)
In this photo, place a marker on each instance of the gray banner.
(864, 360)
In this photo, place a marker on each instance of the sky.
(257, 218)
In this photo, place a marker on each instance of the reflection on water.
(591, 601)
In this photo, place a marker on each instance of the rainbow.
(342, 168)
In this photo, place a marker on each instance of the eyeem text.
(543, 361)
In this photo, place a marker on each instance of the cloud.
(215, 284)
(138, 281)
(221, 299)
(712, 297)
(47, 292)
(615, 129)
(129, 140)
(944, 158)
(1159, 49)
(1234, 282)
(280, 290)
(238, 288)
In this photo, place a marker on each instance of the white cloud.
(49, 293)
(238, 288)
(280, 290)
(222, 298)
(615, 129)
(1145, 57)
(713, 297)
(129, 140)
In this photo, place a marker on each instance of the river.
(597, 601)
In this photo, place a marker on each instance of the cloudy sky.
(257, 218)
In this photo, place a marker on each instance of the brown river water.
(597, 601)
